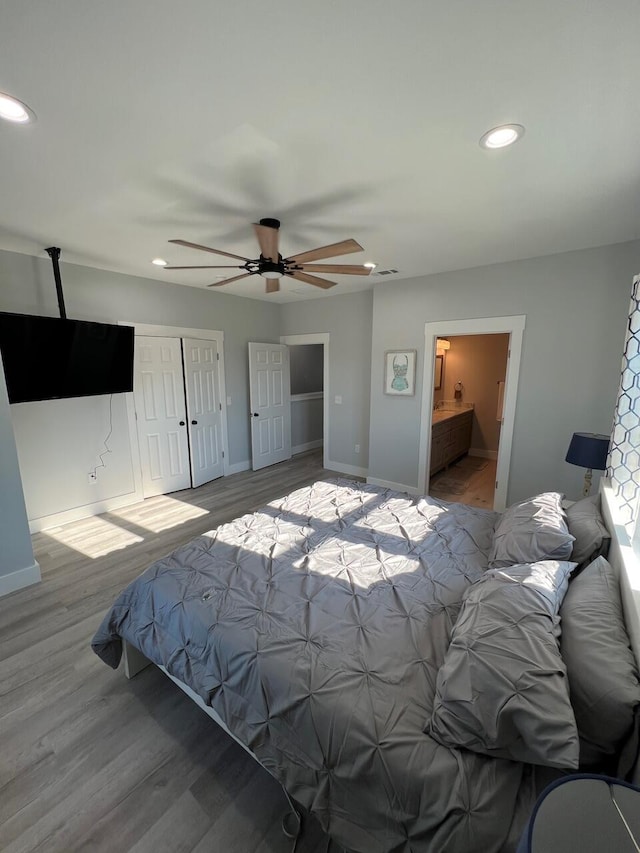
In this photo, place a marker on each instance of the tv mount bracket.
(54, 254)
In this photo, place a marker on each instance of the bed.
(313, 631)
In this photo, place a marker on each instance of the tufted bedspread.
(315, 628)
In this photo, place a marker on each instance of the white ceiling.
(344, 118)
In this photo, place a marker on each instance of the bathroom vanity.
(450, 436)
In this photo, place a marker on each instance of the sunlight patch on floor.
(159, 513)
(94, 537)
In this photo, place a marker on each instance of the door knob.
(194, 422)
(181, 423)
(255, 414)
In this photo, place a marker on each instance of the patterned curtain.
(624, 454)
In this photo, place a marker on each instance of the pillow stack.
(534, 529)
(602, 669)
(502, 689)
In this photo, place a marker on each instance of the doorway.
(455, 354)
(310, 408)
(467, 417)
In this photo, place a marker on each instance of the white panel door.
(270, 400)
(161, 415)
(204, 409)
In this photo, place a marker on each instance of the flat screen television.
(46, 358)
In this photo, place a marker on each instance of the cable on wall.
(93, 473)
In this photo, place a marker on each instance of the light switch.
(338, 400)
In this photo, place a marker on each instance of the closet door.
(204, 409)
(161, 416)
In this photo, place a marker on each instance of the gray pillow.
(602, 669)
(502, 689)
(587, 526)
(531, 530)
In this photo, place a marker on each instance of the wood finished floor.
(92, 762)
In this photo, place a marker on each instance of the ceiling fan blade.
(229, 280)
(337, 269)
(233, 267)
(207, 249)
(332, 251)
(268, 240)
(272, 285)
(312, 279)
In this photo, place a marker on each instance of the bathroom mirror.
(437, 377)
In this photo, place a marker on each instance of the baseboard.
(86, 511)
(310, 445)
(238, 467)
(18, 580)
(483, 454)
(342, 468)
(397, 487)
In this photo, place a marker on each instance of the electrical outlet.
(357, 448)
(92, 477)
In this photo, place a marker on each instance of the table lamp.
(588, 450)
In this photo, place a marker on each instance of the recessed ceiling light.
(14, 110)
(500, 137)
(159, 262)
(370, 265)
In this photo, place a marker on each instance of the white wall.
(576, 307)
(17, 565)
(347, 319)
(57, 439)
(479, 362)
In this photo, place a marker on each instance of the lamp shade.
(588, 450)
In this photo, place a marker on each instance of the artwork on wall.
(400, 372)
(437, 378)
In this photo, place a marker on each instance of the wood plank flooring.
(92, 762)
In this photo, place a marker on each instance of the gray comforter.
(315, 628)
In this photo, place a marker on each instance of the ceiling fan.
(272, 266)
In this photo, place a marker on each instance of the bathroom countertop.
(446, 413)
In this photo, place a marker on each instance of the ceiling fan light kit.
(272, 266)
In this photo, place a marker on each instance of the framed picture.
(400, 372)
(437, 377)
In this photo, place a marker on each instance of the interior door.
(161, 415)
(270, 401)
(204, 409)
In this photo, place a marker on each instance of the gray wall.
(306, 422)
(306, 363)
(576, 307)
(347, 319)
(16, 554)
(72, 432)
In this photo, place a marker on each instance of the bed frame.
(621, 556)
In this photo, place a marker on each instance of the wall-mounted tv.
(46, 358)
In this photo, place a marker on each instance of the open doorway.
(459, 367)
(468, 399)
(309, 372)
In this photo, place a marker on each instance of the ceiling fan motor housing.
(269, 269)
(271, 223)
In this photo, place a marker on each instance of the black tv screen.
(46, 358)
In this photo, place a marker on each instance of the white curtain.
(624, 453)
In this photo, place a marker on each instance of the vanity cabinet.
(450, 438)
